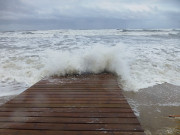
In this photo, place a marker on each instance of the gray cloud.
(88, 14)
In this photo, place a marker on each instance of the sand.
(154, 105)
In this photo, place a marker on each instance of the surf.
(139, 59)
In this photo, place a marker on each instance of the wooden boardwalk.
(71, 105)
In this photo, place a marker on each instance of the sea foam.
(139, 58)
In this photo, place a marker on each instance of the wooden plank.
(36, 98)
(80, 88)
(74, 110)
(71, 114)
(47, 132)
(69, 120)
(68, 102)
(71, 127)
(71, 93)
(70, 105)
(69, 96)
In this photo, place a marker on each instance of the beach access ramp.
(90, 104)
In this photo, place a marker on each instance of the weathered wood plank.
(69, 120)
(74, 110)
(47, 132)
(67, 102)
(70, 127)
(72, 115)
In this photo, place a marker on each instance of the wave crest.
(91, 60)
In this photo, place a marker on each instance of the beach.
(154, 105)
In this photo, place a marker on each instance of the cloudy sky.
(89, 14)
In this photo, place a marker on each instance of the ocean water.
(140, 58)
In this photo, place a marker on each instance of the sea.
(142, 59)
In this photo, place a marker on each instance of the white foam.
(136, 70)
(91, 59)
(139, 62)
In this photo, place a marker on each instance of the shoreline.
(154, 105)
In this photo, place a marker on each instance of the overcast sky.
(89, 14)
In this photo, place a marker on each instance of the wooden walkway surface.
(74, 105)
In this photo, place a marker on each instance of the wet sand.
(154, 105)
